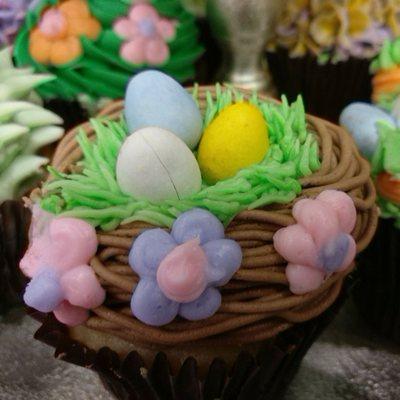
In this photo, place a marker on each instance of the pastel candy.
(44, 292)
(360, 119)
(319, 243)
(53, 247)
(343, 206)
(82, 288)
(71, 315)
(150, 305)
(150, 248)
(179, 270)
(155, 99)
(181, 276)
(197, 223)
(304, 279)
(317, 218)
(56, 262)
(225, 257)
(334, 253)
(155, 165)
(74, 239)
(296, 245)
(203, 307)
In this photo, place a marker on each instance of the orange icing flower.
(388, 187)
(56, 39)
(385, 81)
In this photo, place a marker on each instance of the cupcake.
(322, 49)
(377, 134)
(25, 127)
(93, 47)
(209, 238)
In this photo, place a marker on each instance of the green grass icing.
(94, 195)
(387, 158)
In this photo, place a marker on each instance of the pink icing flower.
(320, 243)
(56, 260)
(146, 34)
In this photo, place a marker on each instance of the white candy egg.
(155, 165)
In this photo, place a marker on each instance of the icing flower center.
(53, 23)
(182, 274)
(147, 27)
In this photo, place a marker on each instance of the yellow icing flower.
(319, 26)
(56, 39)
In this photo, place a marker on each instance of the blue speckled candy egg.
(360, 120)
(154, 99)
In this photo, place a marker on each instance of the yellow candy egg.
(237, 138)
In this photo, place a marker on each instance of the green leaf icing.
(101, 72)
(25, 127)
(388, 57)
(387, 158)
(94, 195)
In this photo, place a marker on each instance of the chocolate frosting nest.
(257, 303)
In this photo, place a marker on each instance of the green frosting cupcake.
(389, 56)
(94, 46)
(25, 127)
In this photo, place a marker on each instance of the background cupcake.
(377, 292)
(322, 50)
(93, 47)
(377, 134)
(25, 128)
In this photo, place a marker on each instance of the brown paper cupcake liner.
(327, 88)
(14, 227)
(264, 376)
(377, 293)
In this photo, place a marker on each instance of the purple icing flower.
(12, 13)
(179, 272)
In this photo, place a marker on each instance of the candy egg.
(154, 99)
(360, 120)
(237, 138)
(155, 165)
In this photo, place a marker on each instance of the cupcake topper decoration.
(180, 272)
(56, 260)
(320, 243)
(56, 40)
(146, 34)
